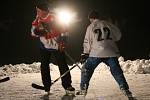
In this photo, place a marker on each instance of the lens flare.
(65, 16)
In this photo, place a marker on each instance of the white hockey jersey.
(100, 39)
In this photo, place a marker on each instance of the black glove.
(83, 57)
(40, 32)
(42, 29)
(61, 46)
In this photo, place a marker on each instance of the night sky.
(17, 46)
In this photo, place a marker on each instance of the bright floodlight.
(65, 16)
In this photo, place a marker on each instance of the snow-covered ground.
(102, 85)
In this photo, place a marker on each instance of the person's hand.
(40, 32)
(61, 46)
(83, 57)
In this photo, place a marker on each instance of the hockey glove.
(42, 29)
(61, 46)
(83, 57)
(40, 32)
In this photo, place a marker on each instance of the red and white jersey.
(50, 39)
(100, 39)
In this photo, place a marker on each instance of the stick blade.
(4, 79)
(36, 86)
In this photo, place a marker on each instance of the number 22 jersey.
(100, 39)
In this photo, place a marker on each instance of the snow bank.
(130, 67)
(139, 66)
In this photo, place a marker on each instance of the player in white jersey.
(99, 46)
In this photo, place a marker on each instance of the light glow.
(65, 16)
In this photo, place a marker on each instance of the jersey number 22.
(106, 31)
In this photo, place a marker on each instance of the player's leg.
(63, 67)
(45, 70)
(118, 75)
(86, 74)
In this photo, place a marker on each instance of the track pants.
(45, 69)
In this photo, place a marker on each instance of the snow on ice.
(102, 85)
(139, 66)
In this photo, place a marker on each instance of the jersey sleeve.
(116, 33)
(33, 27)
(35, 22)
(87, 41)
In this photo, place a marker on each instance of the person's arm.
(86, 46)
(116, 33)
(62, 36)
(32, 32)
(87, 41)
(33, 28)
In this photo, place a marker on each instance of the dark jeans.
(45, 69)
(92, 62)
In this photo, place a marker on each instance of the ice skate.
(70, 90)
(47, 93)
(82, 92)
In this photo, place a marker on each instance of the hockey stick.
(4, 79)
(42, 87)
(72, 59)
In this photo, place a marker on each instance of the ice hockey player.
(99, 46)
(51, 37)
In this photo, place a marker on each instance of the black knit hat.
(42, 4)
(94, 14)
